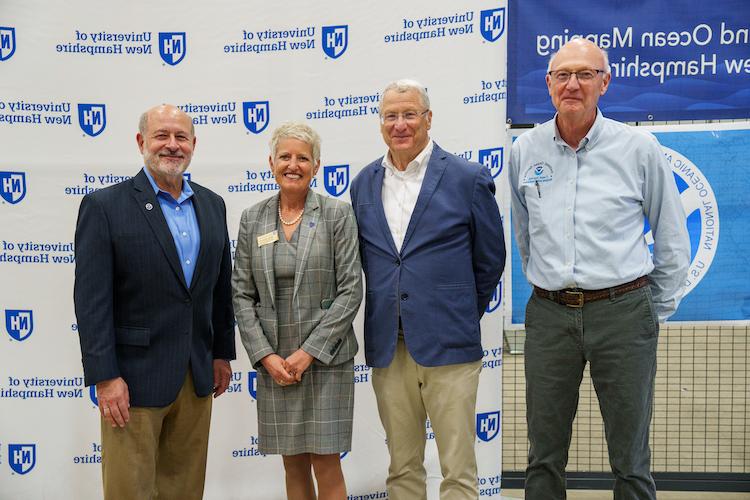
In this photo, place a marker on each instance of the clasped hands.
(287, 371)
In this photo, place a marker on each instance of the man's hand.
(297, 363)
(276, 367)
(114, 401)
(222, 375)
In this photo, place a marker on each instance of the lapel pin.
(149, 206)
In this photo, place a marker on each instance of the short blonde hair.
(296, 130)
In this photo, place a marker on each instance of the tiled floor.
(661, 495)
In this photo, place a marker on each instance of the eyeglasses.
(584, 75)
(408, 117)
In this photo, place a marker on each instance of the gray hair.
(143, 121)
(405, 85)
(296, 130)
(605, 56)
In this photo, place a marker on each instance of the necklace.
(290, 222)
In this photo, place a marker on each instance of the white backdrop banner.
(74, 78)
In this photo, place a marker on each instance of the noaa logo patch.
(492, 158)
(492, 23)
(538, 173)
(488, 425)
(172, 47)
(19, 323)
(92, 118)
(7, 42)
(21, 457)
(255, 114)
(702, 211)
(335, 40)
(12, 186)
(336, 179)
(496, 299)
(252, 384)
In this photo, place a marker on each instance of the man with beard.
(153, 303)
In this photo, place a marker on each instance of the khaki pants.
(161, 452)
(408, 393)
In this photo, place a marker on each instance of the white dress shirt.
(578, 213)
(400, 192)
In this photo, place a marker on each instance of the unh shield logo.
(7, 42)
(172, 47)
(12, 186)
(336, 179)
(492, 158)
(492, 24)
(92, 118)
(255, 115)
(19, 323)
(92, 395)
(335, 40)
(497, 298)
(21, 457)
(488, 425)
(252, 384)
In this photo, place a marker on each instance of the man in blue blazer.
(153, 303)
(432, 246)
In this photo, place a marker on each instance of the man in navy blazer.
(153, 303)
(432, 246)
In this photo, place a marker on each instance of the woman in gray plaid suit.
(297, 287)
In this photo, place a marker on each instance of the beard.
(165, 167)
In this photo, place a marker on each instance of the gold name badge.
(268, 238)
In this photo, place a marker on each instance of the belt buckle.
(579, 302)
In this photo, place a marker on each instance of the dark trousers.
(618, 338)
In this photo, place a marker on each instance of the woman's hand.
(297, 363)
(277, 368)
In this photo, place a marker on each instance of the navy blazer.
(450, 263)
(137, 318)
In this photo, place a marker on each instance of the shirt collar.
(589, 140)
(415, 165)
(187, 190)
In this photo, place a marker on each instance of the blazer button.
(187, 301)
(404, 296)
(397, 262)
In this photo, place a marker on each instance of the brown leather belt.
(576, 297)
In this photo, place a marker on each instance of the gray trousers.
(618, 338)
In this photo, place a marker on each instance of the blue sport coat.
(442, 279)
(137, 318)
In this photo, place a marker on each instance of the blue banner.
(710, 168)
(670, 60)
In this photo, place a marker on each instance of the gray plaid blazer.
(327, 283)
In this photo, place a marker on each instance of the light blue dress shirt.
(579, 213)
(182, 222)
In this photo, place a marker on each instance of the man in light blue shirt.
(155, 320)
(581, 185)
